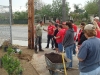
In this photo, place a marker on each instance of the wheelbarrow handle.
(64, 64)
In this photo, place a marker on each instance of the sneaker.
(54, 49)
(46, 47)
(36, 52)
(41, 50)
(73, 55)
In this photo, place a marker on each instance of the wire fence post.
(10, 10)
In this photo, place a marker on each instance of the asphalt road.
(19, 32)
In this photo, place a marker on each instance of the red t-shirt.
(98, 33)
(59, 40)
(75, 28)
(80, 31)
(75, 31)
(98, 24)
(64, 32)
(51, 29)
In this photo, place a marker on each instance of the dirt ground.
(28, 68)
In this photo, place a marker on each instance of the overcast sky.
(20, 4)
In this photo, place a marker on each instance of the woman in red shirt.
(97, 29)
(59, 38)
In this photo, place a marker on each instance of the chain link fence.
(4, 24)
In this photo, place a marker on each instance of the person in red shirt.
(50, 31)
(97, 29)
(59, 38)
(64, 29)
(97, 20)
(98, 33)
(57, 21)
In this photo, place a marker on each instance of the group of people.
(63, 38)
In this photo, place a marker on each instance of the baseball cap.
(96, 18)
(89, 27)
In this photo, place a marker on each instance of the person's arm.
(57, 37)
(82, 52)
(80, 59)
(45, 29)
(95, 23)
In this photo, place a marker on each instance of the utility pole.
(64, 15)
(30, 24)
(99, 8)
(10, 10)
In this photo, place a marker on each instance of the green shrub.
(11, 64)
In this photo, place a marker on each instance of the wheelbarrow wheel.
(51, 72)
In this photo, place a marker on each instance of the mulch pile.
(54, 58)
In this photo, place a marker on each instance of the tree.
(92, 7)
(20, 15)
(78, 14)
(57, 8)
(46, 11)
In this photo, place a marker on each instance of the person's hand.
(35, 36)
(44, 29)
(94, 22)
(54, 37)
(77, 49)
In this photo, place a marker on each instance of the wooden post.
(30, 24)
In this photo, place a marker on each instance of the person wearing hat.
(89, 53)
(97, 20)
(97, 29)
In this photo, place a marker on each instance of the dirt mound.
(54, 58)
(24, 57)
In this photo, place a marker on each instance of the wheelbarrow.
(56, 68)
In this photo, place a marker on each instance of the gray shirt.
(90, 53)
(39, 30)
(69, 38)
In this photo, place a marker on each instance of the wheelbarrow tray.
(56, 66)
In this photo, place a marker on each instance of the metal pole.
(64, 15)
(10, 10)
(33, 22)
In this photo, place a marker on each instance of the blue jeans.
(60, 47)
(94, 72)
(74, 52)
(69, 53)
